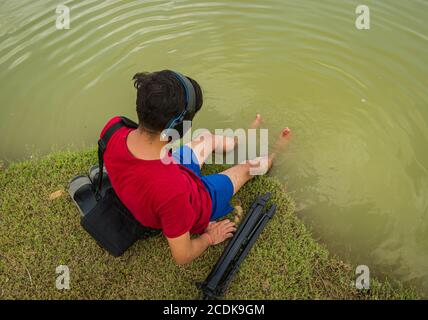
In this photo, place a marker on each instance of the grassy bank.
(38, 233)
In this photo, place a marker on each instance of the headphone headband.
(189, 90)
(189, 107)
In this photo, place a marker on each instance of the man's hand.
(184, 249)
(220, 231)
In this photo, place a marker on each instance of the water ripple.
(357, 100)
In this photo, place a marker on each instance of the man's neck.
(145, 145)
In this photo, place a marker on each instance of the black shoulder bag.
(110, 223)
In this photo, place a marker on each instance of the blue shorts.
(219, 186)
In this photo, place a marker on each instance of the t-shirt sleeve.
(176, 216)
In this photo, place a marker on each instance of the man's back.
(162, 196)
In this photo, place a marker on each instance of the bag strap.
(102, 146)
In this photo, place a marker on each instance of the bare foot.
(262, 165)
(281, 142)
(256, 122)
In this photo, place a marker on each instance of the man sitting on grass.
(175, 197)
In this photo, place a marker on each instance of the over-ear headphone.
(190, 104)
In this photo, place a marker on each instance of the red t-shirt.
(162, 196)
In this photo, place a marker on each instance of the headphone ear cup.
(176, 124)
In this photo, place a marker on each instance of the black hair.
(160, 97)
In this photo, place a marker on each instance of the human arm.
(185, 250)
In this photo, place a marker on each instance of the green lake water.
(356, 100)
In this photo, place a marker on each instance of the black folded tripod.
(237, 249)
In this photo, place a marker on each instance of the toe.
(257, 121)
(285, 133)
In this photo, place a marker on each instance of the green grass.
(38, 234)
